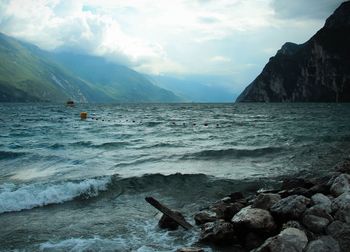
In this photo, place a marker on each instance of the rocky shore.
(311, 215)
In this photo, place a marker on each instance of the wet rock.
(266, 200)
(343, 214)
(227, 211)
(190, 249)
(323, 244)
(340, 185)
(321, 199)
(314, 223)
(341, 232)
(289, 240)
(253, 240)
(167, 223)
(218, 232)
(204, 217)
(254, 219)
(236, 196)
(343, 167)
(319, 188)
(292, 224)
(320, 211)
(226, 199)
(295, 191)
(341, 202)
(291, 207)
(291, 183)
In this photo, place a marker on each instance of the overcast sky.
(232, 39)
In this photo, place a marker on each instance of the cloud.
(220, 58)
(171, 37)
(310, 9)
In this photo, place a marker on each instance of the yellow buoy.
(83, 115)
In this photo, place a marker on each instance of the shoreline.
(304, 214)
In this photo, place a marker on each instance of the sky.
(229, 39)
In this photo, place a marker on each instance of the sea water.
(79, 185)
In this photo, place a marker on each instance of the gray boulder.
(340, 185)
(341, 232)
(320, 211)
(204, 217)
(266, 200)
(218, 232)
(314, 223)
(254, 219)
(289, 240)
(323, 244)
(227, 211)
(321, 199)
(341, 202)
(291, 207)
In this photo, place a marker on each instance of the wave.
(232, 153)
(11, 154)
(107, 145)
(14, 198)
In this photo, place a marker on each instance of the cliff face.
(316, 71)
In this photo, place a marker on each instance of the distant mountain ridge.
(316, 71)
(29, 74)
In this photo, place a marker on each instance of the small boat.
(70, 103)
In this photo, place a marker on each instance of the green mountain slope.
(28, 73)
(121, 83)
(26, 76)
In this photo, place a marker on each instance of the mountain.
(29, 74)
(194, 89)
(120, 83)
(26, 76)
(316, 71)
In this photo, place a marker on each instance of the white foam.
(29, 196)
(142, 237)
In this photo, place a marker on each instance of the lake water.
(67, 184)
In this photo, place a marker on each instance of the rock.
(319, 188)
(321, 199)
(168, 223)
(340, 185)
(236, 196)
(291, 183)
(204, 217)
(291, 207)
(295, 191)
(314, 223)
(320, 211)
(227, 211)
(253, 240)
(226, 199)
(341, 202)
(190, 249)
(292, 224)
(254, 219)
(266, 200)
(218, 232)
(323, 244)
(341, 232)
(343, 167)
(289, 240)
(343, 214)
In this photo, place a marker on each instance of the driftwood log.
(168, 212)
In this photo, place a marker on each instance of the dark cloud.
(310, 9)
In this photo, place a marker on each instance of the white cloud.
(220, 58)
(178, 36)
